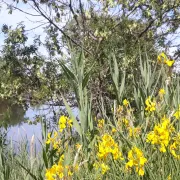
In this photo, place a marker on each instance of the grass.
(139, 140)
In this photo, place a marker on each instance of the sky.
(17, 17)
(31, 21)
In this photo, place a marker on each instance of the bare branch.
(36, 27)
(55, 25)
(10, 5)
(82, 13)
(146, 29)
(74, 15)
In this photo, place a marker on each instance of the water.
(22, 131)
(16, 118)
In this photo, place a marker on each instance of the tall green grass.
(89, 130)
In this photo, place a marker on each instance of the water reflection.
(23, 131)
(16, 118)
(11, 114)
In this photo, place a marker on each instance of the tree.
(155, 14)
(98, 27)
(26, 76)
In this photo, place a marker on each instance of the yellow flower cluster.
(162, 58)
(125, 122)
(104, 168)
(54, 140)
(114, 130)
(57, 170)
(51, 139)
(150, 105)
(161, 92)
(177, 113)
(136, 159)
(119, 109)
(134, 131)
(108, 146)
(78, 146)
(125, 102)
(169, 177)
(64, 122)
(161, 134)
(101, 123)
(175, 147)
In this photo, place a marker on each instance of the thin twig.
(55, 25)
(21, 10)
(36, 27)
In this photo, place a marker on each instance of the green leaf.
(122, 84)
(68, 73)
(45, 158)
(80, 58)
(27, 170)
(86, 78)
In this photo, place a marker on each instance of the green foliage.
(79, 79)
(107, 52)
(97, 27)
(89, 131)
(26, 76)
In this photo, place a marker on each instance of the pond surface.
(16, 118)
